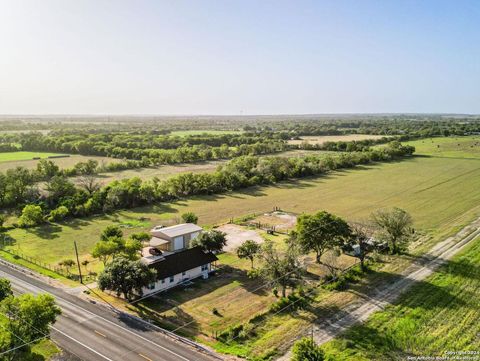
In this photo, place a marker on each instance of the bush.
(58, 214)
(32, 215)
(307, 350)
(291, 302)
(190, 217)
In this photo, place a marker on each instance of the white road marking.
(95, 315)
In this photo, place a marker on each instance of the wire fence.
(6, 244)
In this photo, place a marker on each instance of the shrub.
(32, 215)
(58, 214)
(307, 350)
(291, 302)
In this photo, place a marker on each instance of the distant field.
(14, 160)
(334, 138)
(161, 172)
(437, 315)
(20, 156)
(184, 133)
(450, 147)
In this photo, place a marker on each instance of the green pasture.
(16, 156)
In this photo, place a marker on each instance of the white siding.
(178, 278)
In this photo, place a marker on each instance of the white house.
(169, 254)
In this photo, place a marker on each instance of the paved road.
(94, 333)
(359, 311)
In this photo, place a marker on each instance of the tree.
(111, 231)
(306, 349)
(32, 215)
(47, 169)
(248, 249)
(67, 263)
(132, 248)
(281, 270)
(360, 243)
(211, 241)
(59, 187)
(126, 277)
(89, 182)
(320, 232)
(85, 264)
(5, 288)
(28, 319)
(395, 227)
(105, 250)
(190, 217)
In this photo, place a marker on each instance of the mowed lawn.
(437, 315)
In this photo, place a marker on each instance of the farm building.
(169, 254)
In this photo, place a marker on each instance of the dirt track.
(361, 310)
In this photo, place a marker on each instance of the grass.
(185, 133)
(46, 349)
(320, 139)
(449, 147)
(8, 162)
(18, 156)
(434, 316)
(440, 193)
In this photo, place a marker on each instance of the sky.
(239, 57)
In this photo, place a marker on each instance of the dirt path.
(360, 310)
(236, 235)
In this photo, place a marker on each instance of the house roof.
(178, 230)
(155, 241)
(179, 262)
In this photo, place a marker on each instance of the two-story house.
(169, 253)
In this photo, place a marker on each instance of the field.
(436, 191)
(15, 159)
(185, 133)
(19, 156)
(314, 139)
(441, 194)
(451, 147)
(161, 172)
(437, 315)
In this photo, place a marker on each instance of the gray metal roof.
(178, 230)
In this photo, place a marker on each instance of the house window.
(194, 235)
(205, 267)
(172, 278)
(163, 280)
(184, 273)
(151, 286)
(178, 243)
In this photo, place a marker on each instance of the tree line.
(66, 199)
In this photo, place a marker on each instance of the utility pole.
(78, 262)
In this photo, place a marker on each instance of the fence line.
(6, 241)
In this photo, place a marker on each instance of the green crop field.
(17, 156)
(434, 316)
